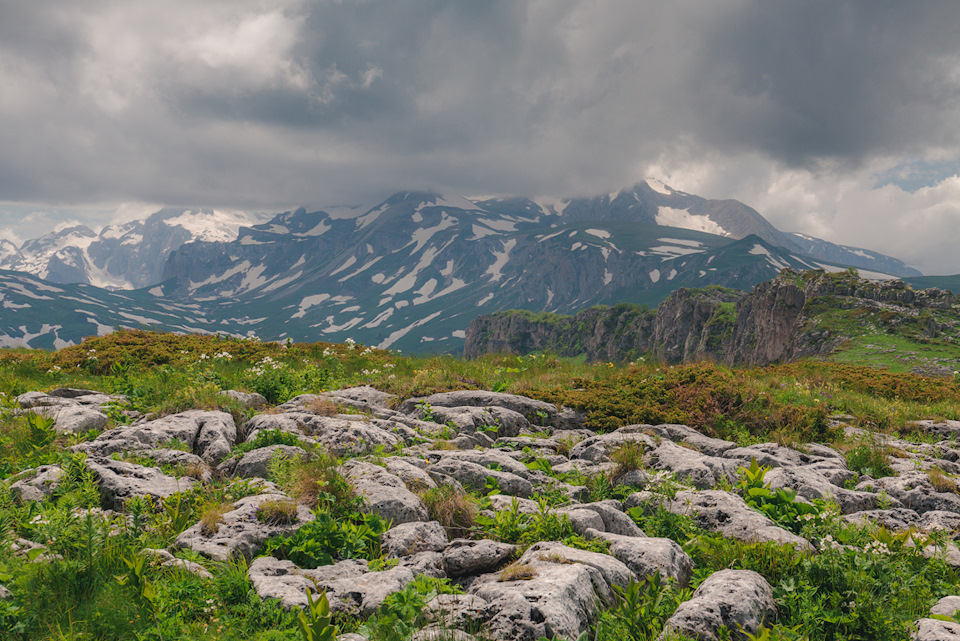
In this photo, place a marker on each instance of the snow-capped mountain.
(413, 271)
(124, 256)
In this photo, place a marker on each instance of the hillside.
(200, 488)
(838, 316)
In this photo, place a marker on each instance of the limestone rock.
(701, 471)
(535, 411)
(936, 630)
(457, 610)
(120, 481)
(465, 557)
(37, 484)
(246, 399)
(385, 493)
(414, 537)
(645, 556)
(474, 477)
(614, 520)
(256, 463)
(741, 600)
(614, 572)
(729, 515)
(240, 533)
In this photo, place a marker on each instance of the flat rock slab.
(486, 458)
(340, 436)
(728, 514)
(474, 477)
(741, 600)
(614, 571)
(120, 481)
(535, 411)
(914, 490)
(499, 420)
(646, 556)
(73, 419)
(240, 533)
(385, 493)
(209, 435)
(597, 448)
(811, 484)
(686, 435)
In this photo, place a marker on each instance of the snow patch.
(486, 299)
(670, 217)
(659, 187)
(672, 274)
(308, 302)
(607, 277)
(500, 260)
(459, 333)
(599, 233)
(350, 262)
(400, 333)
(655, 275)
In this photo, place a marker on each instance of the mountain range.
(411, 272)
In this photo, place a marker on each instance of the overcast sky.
(837, 119)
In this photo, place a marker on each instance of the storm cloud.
(816, 113)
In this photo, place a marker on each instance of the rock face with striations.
(776, 322)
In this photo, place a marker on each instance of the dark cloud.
(270, 104)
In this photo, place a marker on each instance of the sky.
(839, 119)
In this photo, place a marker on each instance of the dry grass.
(322, 407)
(454, 510)
(277, 512)
(940, 481)
(442, 444)
(517, 572)
(212, 516)
(319, 475)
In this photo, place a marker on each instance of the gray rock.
(501, 502)
(683, 434)
(362, 398)
(412, 538)
(210, 435)
(947, 606)
(385, 493)
(940, 520)
(276, 579)
(362, 593)
(741, 600)
(701, 471)
(583, 519)
(486, 458)
(188, 566)
(246, 399)
(775, 455)
(474, 477)
(438, 633)
(256, 463)
(915, 491)
(343, 437)
(811, 484)
(466, 557)
(5, 594)
(893, 519)
(646, 556)
(508, 423)
(120, 481)
(73, 419)
(944, 429)
(614, 520)
(597, 448)
(728, 514)
(936, 630)
(38, 484)
(560, 600)
(614, 572)
(527, 407)
(425, 563)
(457, 610)
(240, 533)
(415, 478)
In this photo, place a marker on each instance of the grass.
(832, 594)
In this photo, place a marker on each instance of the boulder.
(486, 458)
(120, 481)
(614, 572)
(209, 435)
(645, 556)
(614, 520)
(239, 532)
(740, 600)
(385, 493)
(915, 491)
(701, 471)
(37, 484)
(414, 477)
(341, 436)
(246, 399)
(465, 557)
(414, 537)
(474, 477)
(597, 448)
(947, 606)
(686, 435)
(73, 419)
(728, 514)
(811, 484)
(936, 630)
(507, 423)
(895, 519)
(555, 600)
(256, 463)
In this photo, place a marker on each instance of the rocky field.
(197, 488)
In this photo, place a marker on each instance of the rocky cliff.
(792, 316)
